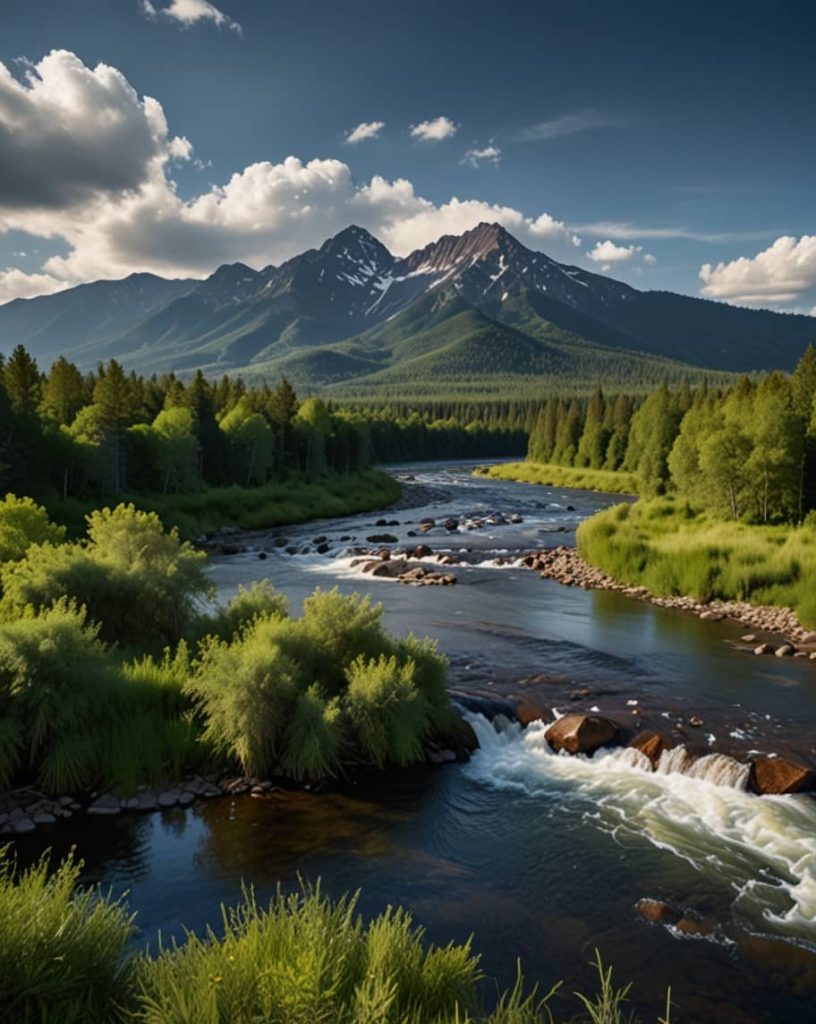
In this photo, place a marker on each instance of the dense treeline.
(98, 435)
(748, 451)
(101, 433)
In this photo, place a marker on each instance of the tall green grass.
(669, 548)
(612, 481)
(295, 500)
(303, 959)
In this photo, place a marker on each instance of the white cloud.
(783, 273)
(649, 259)
(475, 157)
(813, 311)
(69, 133)
(16, 284)
(63, 177)
(434, 131)
(607, 252)
(190, 12)
(567, 124)
(365, 130)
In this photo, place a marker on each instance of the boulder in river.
(581, 734)
(785, 651)
(655, 911)
(764, 649)
(422, 551)
(652, 744)
(382, 538)
(779, 776)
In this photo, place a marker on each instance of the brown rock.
(692, 926)
(764, 649)
(748, 638)
(422, 551)
(527, 713)
(785, 651)
(655, 911)
(712, 616)
(778, 776)
(652, 744)
(581, 734)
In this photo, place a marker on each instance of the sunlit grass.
(614, 482)
(66, 957)
(665, 546)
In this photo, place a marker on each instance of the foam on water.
(763, 848)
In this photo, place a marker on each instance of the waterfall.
(761, 848)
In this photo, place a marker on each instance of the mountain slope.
(351, 316)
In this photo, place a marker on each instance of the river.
(542, 857)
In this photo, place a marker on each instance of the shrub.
(143, 586)
(23, 523)
(387, 711)
(256, 601)
(282, 691)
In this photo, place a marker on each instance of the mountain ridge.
(358, 304)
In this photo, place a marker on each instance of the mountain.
(467, 313)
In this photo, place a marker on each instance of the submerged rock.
(581, 734)
(655, 911)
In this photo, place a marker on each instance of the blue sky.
(671, 146)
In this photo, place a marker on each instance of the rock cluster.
(565, 565)
(475, 521)
(399, 566)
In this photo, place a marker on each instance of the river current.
(543, 857)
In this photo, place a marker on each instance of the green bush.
(295, 693)
(388, 713)
(142, 585)
(22, 523)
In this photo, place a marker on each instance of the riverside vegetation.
(304, 959)
(116, 668)
(727, 485)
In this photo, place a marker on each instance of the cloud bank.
(782, 274)
(86, 161)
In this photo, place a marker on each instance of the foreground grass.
(612, 481)
(279, 503)
(664, 545)
(304, 959)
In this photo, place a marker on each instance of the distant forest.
(96, 436)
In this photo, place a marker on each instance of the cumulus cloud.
(649, 259)
(607, 252)
(16, 284)
(118, 216)
(567, 124)
(365, 130)
(434, 131)
(190, 12)
(783, 273)
(69, 132)
(476, 157)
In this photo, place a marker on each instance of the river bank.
(782, 633)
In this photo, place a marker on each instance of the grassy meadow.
(611, 481)
(280, 503)
(666, 546)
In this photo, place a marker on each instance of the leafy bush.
(387, 711)
(62, 947)
(22, 523)
(141, 584)
(297, 692)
